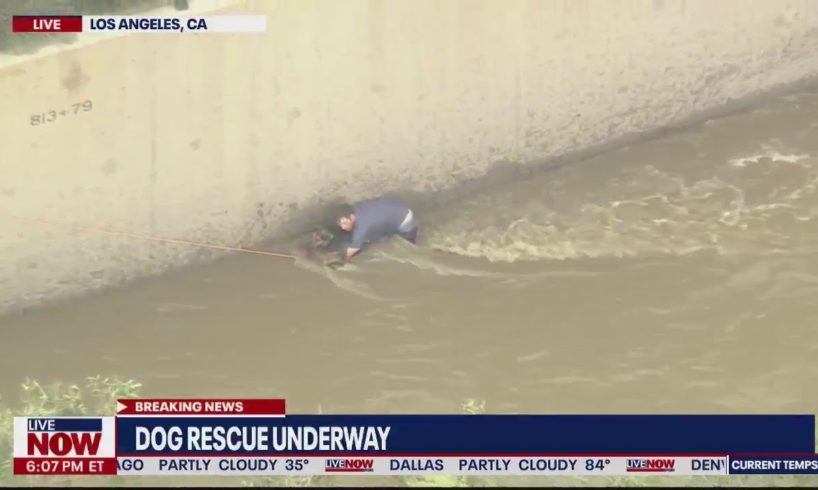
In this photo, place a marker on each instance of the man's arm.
(336, 259)
(359, 238)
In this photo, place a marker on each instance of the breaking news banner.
(119, 23)
(255, 437)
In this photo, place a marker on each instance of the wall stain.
(76, 79)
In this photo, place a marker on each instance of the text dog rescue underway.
(261, 438)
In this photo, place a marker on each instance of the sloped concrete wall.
(217, 137)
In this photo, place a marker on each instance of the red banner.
(203, 406)
(46, 23)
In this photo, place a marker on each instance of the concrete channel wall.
(218, 137)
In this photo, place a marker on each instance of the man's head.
(345, 217)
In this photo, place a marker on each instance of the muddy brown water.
(677, 275)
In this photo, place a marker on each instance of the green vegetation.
(28, 43)
(97, 396)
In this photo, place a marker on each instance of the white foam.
(710, 215)
(773, 155)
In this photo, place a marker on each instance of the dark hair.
(342, 211)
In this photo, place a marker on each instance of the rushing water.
(677, 275)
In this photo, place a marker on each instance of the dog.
(321, 239)
(323, 247)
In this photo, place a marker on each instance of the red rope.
(159, 239)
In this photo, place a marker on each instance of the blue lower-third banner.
(467, 434)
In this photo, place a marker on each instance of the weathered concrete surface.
(214, 137)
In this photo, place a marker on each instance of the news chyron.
(256, 437)
(98, 24)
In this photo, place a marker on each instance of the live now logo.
(64, 437)
(46, 23)
(62, 444)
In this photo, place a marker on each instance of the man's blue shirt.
(376, 219)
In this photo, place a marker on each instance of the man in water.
(372, 220)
